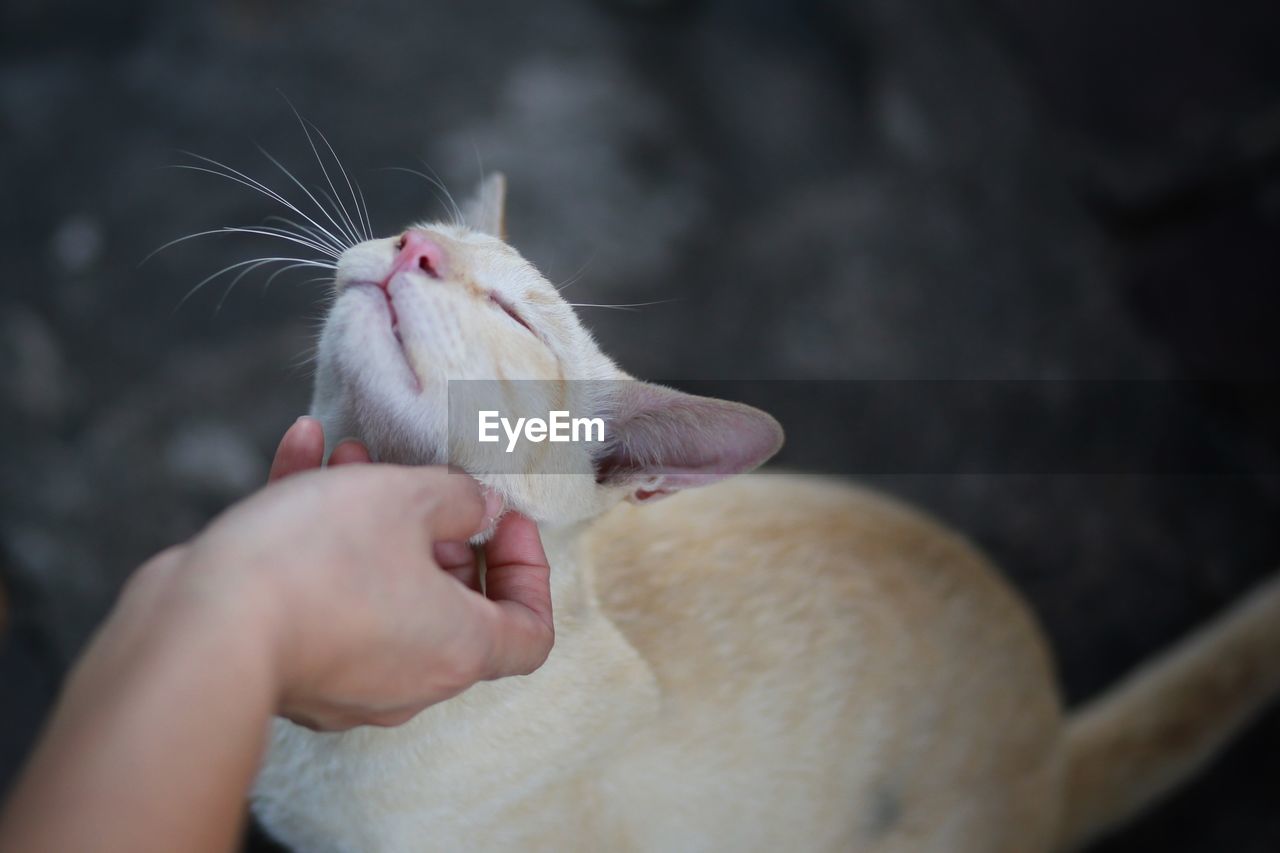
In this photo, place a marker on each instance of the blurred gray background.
(885, 189)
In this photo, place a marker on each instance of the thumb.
(445, 504)
(450, 501)
(517, 581)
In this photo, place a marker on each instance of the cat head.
(446, 318)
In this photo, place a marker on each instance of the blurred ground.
(969, 189)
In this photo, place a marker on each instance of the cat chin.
(359, 350)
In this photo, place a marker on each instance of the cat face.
(446, 302)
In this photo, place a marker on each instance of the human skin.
(337, 598)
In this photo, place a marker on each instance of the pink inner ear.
(670, 440)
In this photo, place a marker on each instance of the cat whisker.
(338, 206)
(480, 166)
(362, 213)
(368, 222)
(573, 279)
(458, 218)
(436, 184)
(333, 202)
(238, 177)
(252, 263)
(265, 231)
(246, 271)
(322, 279)
(303, 230)
(284, 234)
(301, 363)
(277, 273)
(349, 236)
(624, 306)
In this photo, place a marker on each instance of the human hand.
(362, 588)
(302, 449)
(317, 598)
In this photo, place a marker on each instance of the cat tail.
(1165, 721)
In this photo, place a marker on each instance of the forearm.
(316, 598)
(156, 737)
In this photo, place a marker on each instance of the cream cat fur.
(771, 662)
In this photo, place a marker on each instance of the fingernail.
(493, 506)
(452, 553)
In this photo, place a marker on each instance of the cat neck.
(573, 594)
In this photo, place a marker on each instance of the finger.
(452, 501)
(517, 567)
(518, 581)
(440, 505)
(459, 560)
(349, 452)
(301, 448)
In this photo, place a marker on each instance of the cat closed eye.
(510, 311)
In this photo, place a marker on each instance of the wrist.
(180, 609)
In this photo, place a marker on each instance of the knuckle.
(466, 665)
(541, 652)
(391, 719)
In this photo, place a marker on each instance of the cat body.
(830, 671)
(772, 661)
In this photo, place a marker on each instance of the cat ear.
(662, 440)
(486, 210)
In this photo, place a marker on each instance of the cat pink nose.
(416, 250)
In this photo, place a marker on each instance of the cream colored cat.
(772, 662)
